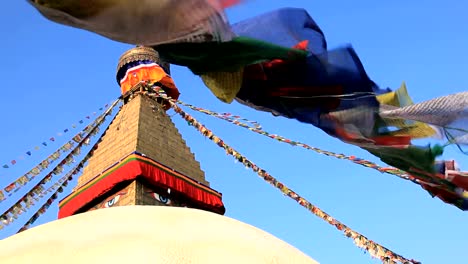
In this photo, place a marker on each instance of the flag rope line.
(83, 137)
(374, 249)
(366, 163)
(51, 139)
(59, 185)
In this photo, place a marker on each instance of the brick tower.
(142, 158)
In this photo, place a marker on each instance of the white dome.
(148, 234)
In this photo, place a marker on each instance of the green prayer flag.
(226, 56)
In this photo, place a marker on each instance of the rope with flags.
(56, 188)
(374, 249)
(37, 192)
(435, 183)
(258, 129)
(81, 138)
(51, 139)
(363, 162)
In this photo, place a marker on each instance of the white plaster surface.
(148, 234)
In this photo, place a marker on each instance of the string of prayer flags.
(436, 185)
(51, 139)
(38, 192)
(257, 129)
(58, 187)
(366, 163)
(328, 89)
(234, 119)
(25, 203)
(83, 137)
(374, 249)
(28, 200)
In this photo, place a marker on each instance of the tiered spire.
(141, 159)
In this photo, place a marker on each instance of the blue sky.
(56, 75)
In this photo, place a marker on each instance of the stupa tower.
(142, 159)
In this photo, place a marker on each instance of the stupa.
(142, 159)
(142, 196)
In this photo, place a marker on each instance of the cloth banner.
(284, 27)
(146, 22)
(135, 72)
(447, 112)
(401, 98)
